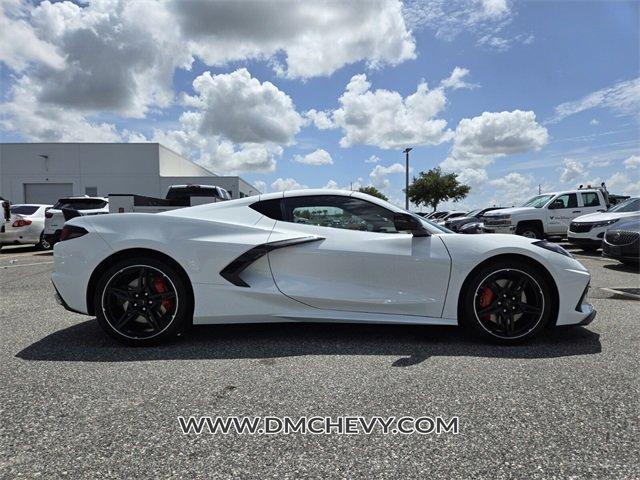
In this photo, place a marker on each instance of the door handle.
(577, 211)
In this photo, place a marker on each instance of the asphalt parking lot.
(74, 403)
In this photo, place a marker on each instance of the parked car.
(450, 216)
(25, 226)
(474, 216)
(548, 214)
(587, 231)
(436, 215)
(54, 217)
(622, 242)
(148, 276)
(178, 196)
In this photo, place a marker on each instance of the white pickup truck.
(178, 196)
(547, 215)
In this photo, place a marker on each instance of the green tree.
(373, 191)
(434, 186)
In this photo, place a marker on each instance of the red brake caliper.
(486, 297)
(160, 286)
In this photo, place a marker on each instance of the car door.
(360, 262)
(561, 211)
(591, 203)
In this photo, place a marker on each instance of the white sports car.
(310, 255)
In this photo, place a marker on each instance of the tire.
(529, 231)
(121, 296)
(43, 244)
(524, 325)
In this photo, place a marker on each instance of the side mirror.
(408, 223)
(6, 210)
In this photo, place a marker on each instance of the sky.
(511, 96)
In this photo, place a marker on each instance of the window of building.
(91, 191)
(339, 212)
(590, 199)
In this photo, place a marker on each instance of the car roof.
(327, 191)
(30, 205)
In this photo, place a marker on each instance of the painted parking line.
(25, 265)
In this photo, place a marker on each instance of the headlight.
(605, 223)
(553, 247)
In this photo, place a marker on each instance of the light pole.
(406, 179)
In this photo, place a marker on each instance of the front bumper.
(499, 228)
(584, 242)
(589, 318)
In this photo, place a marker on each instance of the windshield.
(473, 213)
(630, 205)
(538, 201)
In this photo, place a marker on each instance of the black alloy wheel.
(141, 302)
(508, 303)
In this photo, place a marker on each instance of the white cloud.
(19, 43)
(237, 124)
(385, 119)
(573, 171)
(513, 189)
(594, 121)
(283, 184)
(456, 79)
(473, 176)
(623, 98)
(320, 119)
(260, 185)
(632, 162)
(42, 122)
(331, 185)
(117, 56)
(314, 39)
(379, 174)
(486, 20)
(596, 163)
(479, 140)
(243, 110)
(317, 157)
(622, 184)
(372, 159)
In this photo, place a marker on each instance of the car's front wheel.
(507, 301)
(142, 301)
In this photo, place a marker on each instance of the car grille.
(621, 237)
(580, 227)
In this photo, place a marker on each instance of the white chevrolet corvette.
(311, 255)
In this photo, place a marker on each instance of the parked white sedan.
(587, 231)
(25, 226)
(356, 259)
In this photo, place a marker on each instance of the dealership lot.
(75, 403)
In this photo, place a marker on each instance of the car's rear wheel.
(142, 301)
(44, 243)
(507, 301)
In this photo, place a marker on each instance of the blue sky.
(549, 90)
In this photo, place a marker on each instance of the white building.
(44, 172)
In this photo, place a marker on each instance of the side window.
(339, 212)
(569, 200)
(269, 208)
(590, 199)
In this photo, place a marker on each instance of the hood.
(510, 211)
(604, 216)
(461, 220)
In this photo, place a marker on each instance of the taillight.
(21, 223)
(48, 214)
(71, 231)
